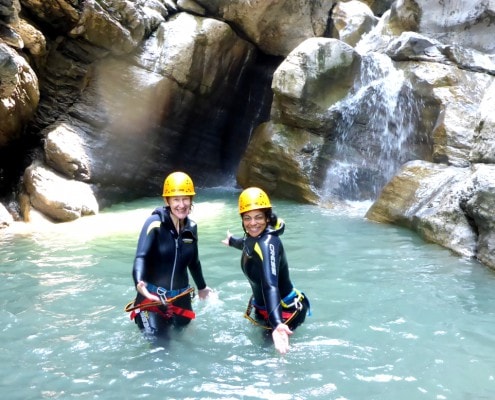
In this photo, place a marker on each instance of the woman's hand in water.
(280, 337)
(204, 293)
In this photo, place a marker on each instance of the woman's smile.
(180, 206)
(254, 222)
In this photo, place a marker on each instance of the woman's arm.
(270, 246)
(145, 242)
(232, 241)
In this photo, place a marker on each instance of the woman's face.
(180, 206)
(254, 222)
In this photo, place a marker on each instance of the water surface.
(393, 317)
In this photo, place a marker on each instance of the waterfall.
(374, 131)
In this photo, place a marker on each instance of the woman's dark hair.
(271, 217)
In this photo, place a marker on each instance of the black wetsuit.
(264, 263)
(163, 257)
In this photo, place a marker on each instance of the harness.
(164, 307)
(292, 300)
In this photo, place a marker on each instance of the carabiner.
(162, 294)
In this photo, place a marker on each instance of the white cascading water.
(375, 122)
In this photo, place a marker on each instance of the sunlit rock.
(455, 97)
(131, 89)
(412, 46)
(33, 39)
(19, 94)
(65, 151)
(85, 34)
(352, 19)
(465, 23)
(446, 205)
(57, 197)
(480, 208)
(276, 27)
(122, 132)
(118, 26)
(17, 32)
(429, 198)
(483, 149)
(61, 14)
(470, 59)
(313, 77)
(120, 32)
(198, 53)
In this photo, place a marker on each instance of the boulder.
(450, 101)
(466, 23)
(281, 160)
(447, 205)
(19, 93)
(65, 152)
(352, 19)
(480, 209)
(57, 197)
(483, 147)
(275, 27)
(315, 75)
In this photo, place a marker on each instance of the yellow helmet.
(253, 198)
(178, 184)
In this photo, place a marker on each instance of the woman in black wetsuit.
(166, 249)
(275, 300)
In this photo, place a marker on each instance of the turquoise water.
(393, 317)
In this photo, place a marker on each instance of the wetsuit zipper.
(175, 263)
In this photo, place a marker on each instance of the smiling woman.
(278, 305)
(167, 249)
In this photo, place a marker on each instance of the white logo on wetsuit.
(272, 259)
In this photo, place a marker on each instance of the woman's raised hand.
(226, 240)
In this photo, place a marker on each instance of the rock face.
(445, 204)
(131, 92)
(276, 27)
(19, 93)
(317, 101)
(155, 108)
(274, 149)
(430, 199)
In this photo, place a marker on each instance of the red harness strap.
(168, 313)
(285, 315)
(181, 312)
